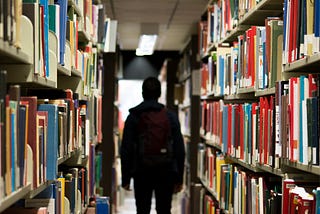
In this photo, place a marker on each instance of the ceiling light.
(146, 45)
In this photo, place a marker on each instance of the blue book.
(44, 4)
(316, 192)
(221, 75)
(63, 27)
(102, 205)
(13, 148)
(52, 143)
(301, 116)
(225, 129)
(317, 18)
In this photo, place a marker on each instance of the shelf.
(67, 156)
(246, 90)
(76, 8)
(271, 170)
(27, 78)
(12, 55)
(241, 96)
(307, 64)
(184, 106)
(256, 16)
(211, 142)
(63, 71)
(211, 96)
(265, 92)
(14, 197)
(76, 72)
(39, 189)
(233, 35)
(184, 76)
(264, 9)
(214, 194)
(243, 164)
(307, 168)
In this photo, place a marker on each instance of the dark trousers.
(159, 181)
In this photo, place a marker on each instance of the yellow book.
(62, 193)
(219, 161)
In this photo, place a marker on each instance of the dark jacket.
(129, 140)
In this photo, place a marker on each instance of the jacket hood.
(146, 105)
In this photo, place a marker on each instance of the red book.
(241, 132)
(252, 55)
(261, 131)
(32, 133)
(229, 128)
(266, 126)
(287, 185)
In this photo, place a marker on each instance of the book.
(276, 38)
(14, 105)
(63, 28)
(54, 23)
(32, 135)
(32, 11)
(52, 142)
(102, 205)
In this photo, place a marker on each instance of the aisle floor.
(128, 204)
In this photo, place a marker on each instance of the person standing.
(152, 171)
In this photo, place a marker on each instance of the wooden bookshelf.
(265, 92)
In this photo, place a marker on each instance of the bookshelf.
(249, 126)
(50, 104)
(186, 97)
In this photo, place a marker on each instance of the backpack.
(155, 141)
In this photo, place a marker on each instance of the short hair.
(151, 88)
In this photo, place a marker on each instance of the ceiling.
(177, 20)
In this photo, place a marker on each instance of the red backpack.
(155, 141)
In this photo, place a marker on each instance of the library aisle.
(128, 205)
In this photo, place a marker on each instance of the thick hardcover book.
(53, 140)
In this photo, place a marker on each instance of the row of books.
(67, 194)
(301, 35)
(49, 123)
(254, 61)
(221, 18)
(285, 125)
(237, 190)
(56, 37)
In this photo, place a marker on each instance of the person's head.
(151, 88)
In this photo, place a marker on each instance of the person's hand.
(126, 187)
(177, 188)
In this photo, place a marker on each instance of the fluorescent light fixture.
(146, 45)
